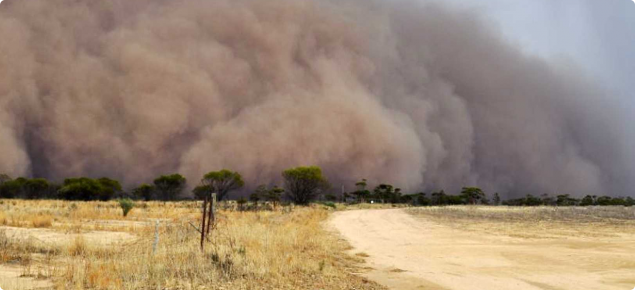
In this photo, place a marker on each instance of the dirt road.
(407, 252)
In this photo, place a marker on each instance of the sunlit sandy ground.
(495, 247)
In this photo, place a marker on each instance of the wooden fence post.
(203, 222)
(212, 211)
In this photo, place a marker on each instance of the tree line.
(567, 200)
(301, 185)
(383, 193)
(386, 193)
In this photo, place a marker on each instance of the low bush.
(126, 205)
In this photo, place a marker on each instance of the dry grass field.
(90, 245)
(536, 222)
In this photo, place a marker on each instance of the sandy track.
(412, 253)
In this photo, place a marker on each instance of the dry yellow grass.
(357, 206)
(42, 221)
(536, 222)
(3, 219)
(283, 249)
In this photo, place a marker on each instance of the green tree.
(170, 187)
(531, 200)
(618, 201)
(201, 191)
(11, 188)
(361, 193)
(548, 200)
(36, 188)
(604, 200)
(396, 196)
(565, 200)
(456, 200)
(81, 189)
(415, 199)
(273, 195)
(472, 195)
(587, 200)
(330, 197)
(384, 192)
(439, 198)
(3, 179)
(144, 192)
(111, 188)
(497, 199)
(303, 184)
(423, 200)
(241, 203)
(255, 197)
(259, 194)
(222, 182)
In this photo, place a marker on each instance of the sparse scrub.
(554, 221)
(536, 214)
(16, 249)
(248, 250)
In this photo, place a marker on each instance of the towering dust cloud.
(415, 94)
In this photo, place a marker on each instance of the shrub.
(126, 205)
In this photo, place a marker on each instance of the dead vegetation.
(282, 249)
(539, 222)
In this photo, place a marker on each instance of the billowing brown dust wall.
(417, 95)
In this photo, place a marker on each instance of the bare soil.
(13, 277)
(54, 237)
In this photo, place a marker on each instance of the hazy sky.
(599, 35)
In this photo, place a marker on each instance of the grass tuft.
(42, 221)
